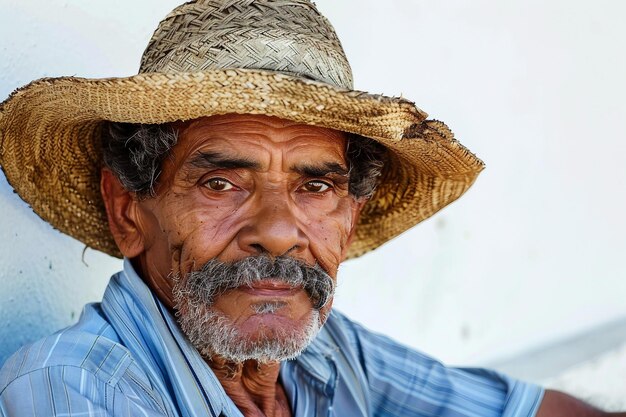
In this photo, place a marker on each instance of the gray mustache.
(216, 277)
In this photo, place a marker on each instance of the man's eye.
(218, 184)
(316, 186)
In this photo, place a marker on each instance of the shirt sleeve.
(404, 382)
(70, 391)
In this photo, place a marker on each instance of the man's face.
(241, 186)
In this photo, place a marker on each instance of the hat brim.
(50, 142)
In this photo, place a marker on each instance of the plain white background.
(531, 254)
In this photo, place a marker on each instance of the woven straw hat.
(274, 57)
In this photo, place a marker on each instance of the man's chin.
(269, 325)
(262, 337)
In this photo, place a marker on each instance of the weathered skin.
(272, 206)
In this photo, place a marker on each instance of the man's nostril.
(259, 248)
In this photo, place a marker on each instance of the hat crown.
(286, 36)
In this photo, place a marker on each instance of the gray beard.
(213, 333)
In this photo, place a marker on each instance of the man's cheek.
(331, 235)
(198, 241)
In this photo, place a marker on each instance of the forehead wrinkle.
(244, 120)
(316, 131)
(270, 145)
(223, 153)
(316, 143)
(259, 129)
(250, 123)
(277, 153)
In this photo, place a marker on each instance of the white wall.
(533, 253)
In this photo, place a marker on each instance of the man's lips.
(270, 287)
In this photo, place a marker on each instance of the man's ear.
(122, 211)
(356, 214)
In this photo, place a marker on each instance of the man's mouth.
(259, 276)
(270, 287)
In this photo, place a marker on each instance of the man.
(234, 174)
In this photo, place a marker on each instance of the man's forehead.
(235, 134)
(257, 143)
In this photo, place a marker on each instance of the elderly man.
(234, 174)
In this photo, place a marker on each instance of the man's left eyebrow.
(321, 170)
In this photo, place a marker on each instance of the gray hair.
(135, 154)
(213, 333)
(217, 277)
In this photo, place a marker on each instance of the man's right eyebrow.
(216, 160)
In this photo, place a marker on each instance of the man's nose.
(273, 229)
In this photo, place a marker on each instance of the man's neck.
(253, 387)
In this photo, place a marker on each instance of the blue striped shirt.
(127, 357)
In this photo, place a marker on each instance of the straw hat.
(274, 57)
